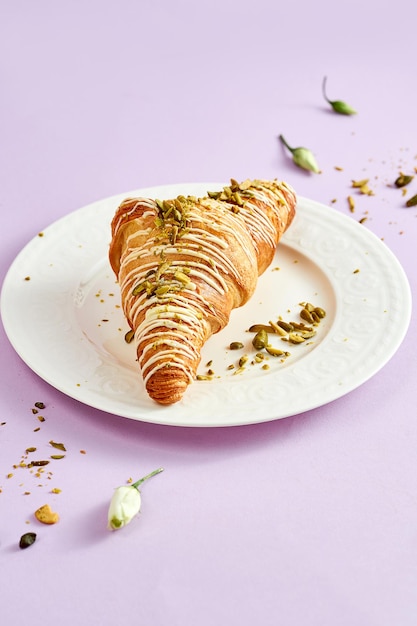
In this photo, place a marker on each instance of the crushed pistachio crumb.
(412, 201)
(58, 445)
(357, 184)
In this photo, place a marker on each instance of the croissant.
(184, 264)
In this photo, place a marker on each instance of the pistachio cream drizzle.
(165, 288)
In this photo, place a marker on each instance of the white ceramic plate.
(61, 311)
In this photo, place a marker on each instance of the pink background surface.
(309, 520)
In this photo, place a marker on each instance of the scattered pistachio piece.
(411, 201)
(360, 183)
(364, 189)
(256, 328)
(306, 315)
(403, 180)
(129, 336)
(260, 340)
(236, 345)
(286, 326)
(59, 446)
(243, 360)
(274, 351)
(277, 328)
(27, 540)
(295, 338)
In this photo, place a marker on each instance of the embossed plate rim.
(346, 358)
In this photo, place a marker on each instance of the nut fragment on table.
(45, 515)
(27, 540)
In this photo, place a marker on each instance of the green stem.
(324, 90)
(142, 480)
(285, 144)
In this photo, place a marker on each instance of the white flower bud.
(124, 505)
(302, 157)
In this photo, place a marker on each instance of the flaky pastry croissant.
(184, 264)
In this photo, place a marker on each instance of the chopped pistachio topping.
(235, 194)
(172, 217)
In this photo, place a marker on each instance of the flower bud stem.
(324, 90)
(285, 144)
(142, 480)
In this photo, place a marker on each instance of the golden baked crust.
(184, 264)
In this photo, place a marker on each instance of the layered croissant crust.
(184, 264)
